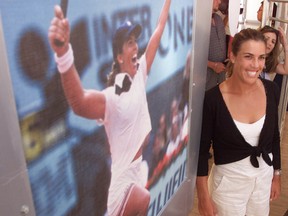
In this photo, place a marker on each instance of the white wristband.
(66, 61)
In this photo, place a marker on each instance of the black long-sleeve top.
(227, 141)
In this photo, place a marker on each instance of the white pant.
(241, 194)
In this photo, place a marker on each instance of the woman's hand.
(283, 40)
(275, 187)
(219, 67)
(59, 30)
(206, 206)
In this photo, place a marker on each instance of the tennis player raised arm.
(154, 41)
(86, 103)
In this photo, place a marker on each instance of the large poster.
(68, 157)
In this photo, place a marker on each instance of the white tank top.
(251, 133)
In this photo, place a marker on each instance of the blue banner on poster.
(55, 139)
(53, 183)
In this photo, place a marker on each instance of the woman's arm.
(276, 151)
(154, 41)
(205, 204)
(86, 103)
(283, 68)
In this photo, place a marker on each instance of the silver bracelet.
(277, 172)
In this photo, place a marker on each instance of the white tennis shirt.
(127, 120)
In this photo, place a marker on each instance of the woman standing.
(274, 38)
(240, 116)
(122, 107)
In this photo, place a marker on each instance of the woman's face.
(271, 39)
(128, 57)
(216, 4)
(249, 61)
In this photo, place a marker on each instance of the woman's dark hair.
(111, 76)
(240, 38)
(272, 58)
